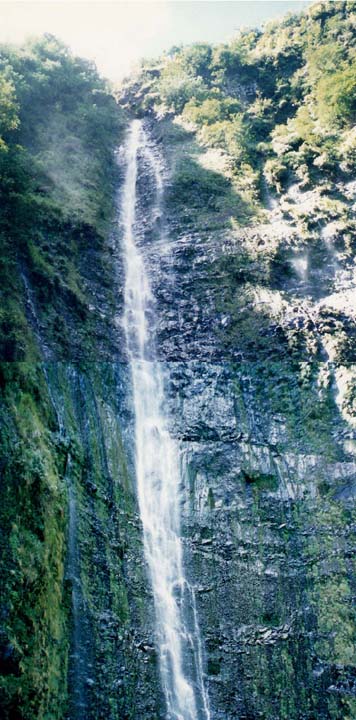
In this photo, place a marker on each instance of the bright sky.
(117, 33)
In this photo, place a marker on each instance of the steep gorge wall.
(77, 614)
(265, 418)
(267, 512)
(269, 528)
(256, 323)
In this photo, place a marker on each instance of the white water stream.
(158, 465)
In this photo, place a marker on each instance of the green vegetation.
(50, 546)
(237, 123)
(34, 635)
(267, 117)
(59, 126)
(281, 101)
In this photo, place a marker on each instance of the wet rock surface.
(112, 658)
(255, 396)
(268, 543)
(256, 335)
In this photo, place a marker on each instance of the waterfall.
(157, 465)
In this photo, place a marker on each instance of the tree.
(177, 85)
(336, 96)
(9, 119)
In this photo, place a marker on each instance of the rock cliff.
(253, 277)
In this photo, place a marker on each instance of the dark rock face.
(269, 546)
(77, 607)
(112, 659)
(260, 396)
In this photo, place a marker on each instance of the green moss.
(332, 592)
(33, 518)
(113, 595)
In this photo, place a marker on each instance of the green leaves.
(336, 96)
(177, 86)
(9, 119)
(59, 126)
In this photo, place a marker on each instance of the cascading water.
(158, 468)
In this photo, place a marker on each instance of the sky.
(116, 34)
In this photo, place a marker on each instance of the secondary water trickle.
(158, 467)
